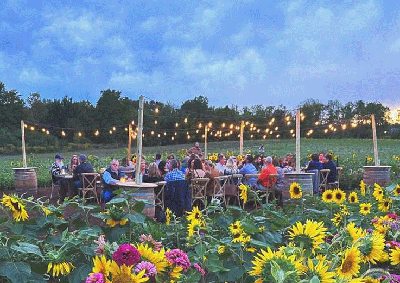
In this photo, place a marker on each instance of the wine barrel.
(146, 194)
(303, 179)
(25, 180)
(377, 174)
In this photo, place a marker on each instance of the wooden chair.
(269, 190)
(89, 184)
(199, 188)
(335, 184)
(231, 188)
(247, 179)
(219, 188)
(159, 196)
(56, 187)
(323, 179)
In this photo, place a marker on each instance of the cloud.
(150, 24)
(321, 69)
(359, 17)
(34, 76)
(133, 81)
(395, 46)
(3, 64)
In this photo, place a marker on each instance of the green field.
(352, 154)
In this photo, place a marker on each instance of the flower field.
(337, 237)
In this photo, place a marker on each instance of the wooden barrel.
(25, 181)
(377, 174)
(146, 194)
(303, 179)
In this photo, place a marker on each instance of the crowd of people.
(194, 165)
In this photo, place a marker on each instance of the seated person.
(264, 178)
(153, 175)
(249, 168)
(174, 174)
(221, 164)
(198, 171)
(162, 166)
(314, 163)
(83, 167)
(110, 177)
(73, 164)
(231, 166)
(157, 159)
(329, 164)
(55, 169)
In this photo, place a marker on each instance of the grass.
(351, 152)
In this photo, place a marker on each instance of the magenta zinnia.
(150, 268)
(178, 257)
(126, 254)
(95, 278)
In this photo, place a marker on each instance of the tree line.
(113, 112)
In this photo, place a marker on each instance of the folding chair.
(159, 196)
(199, 187)
(335, 184)
(269, 189)
(323, 179)
(89, 184)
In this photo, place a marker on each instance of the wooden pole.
(241, 137)
(298, 141)
(23, 144)
(139, 140)
(205, 142)
(129, 143)
(374, 139)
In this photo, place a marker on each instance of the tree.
(11, 108)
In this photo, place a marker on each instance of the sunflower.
(195, 214)
(168, 216)
(176, 272)
(339, 196)
(396, 190)
(372, 247)
(116, 216)
(155, 257)
(337, 219)
(101, 265)
(310, 235)
(16, 206)
(327, 196)
(344, 210)
(295, 191)
(350, 264)
(395, 256)
(221, 249)
(354, 232)
(369, 279)
(365, 208)
(112, 223)
(123, 274)
(353, 197)
(243, 192)
(378, 192)
(235, 227)
(266, 259)
(362, 188)
(320, 270)
(384, 204)
(63, 268)
(194, 225)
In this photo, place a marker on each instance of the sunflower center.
(352, 199)
(329, 196)
(347, 265)
(339, 196)
(296, 190)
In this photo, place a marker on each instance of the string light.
(25, 125)
(155, 122)
(126, 129)
(110, 132)
(200, 125)
(133, 122)
(32, 128)
(114, 128)
(96, 133)
(152, 132)
(223, 125)
(48, 132)
(186, 120)
(176, 125)
(156, 110)
(63, 133)
(159, 135)
(43, 130)
(172, 138)
(165, 133)
(79, 134)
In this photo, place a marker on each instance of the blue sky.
(238, 52)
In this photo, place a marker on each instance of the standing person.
(55, 169)
(195, 150)
(221, 164)
(261, 150)
(249, 168)
(83, 167)
(73, 164)
(110, 177)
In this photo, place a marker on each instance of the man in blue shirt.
(110, 177)
(249, 168)
(174, 173)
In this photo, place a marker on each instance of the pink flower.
(150, 268)
(101, 243)
(178, 257)
(393, 216)
(126, 254)
(198, 267)
(95, 277)
(152, 243)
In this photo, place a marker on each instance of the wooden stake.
(23, 144)
(298, 141)
(374, 139)
(241, 137)
(129, 142)
(205, 142)
(139, 140)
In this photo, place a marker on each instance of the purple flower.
(126, 254)
(370, 231)
(178, 257)
(395, 278)
(95, 277)
(150, 268)
(198, 267)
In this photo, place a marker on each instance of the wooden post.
(129, 142)
(205, 141)
(241, 137)
(23, 144)
(139, 140)
(298, 141)
(374, 139)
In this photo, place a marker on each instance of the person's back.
(314, 163)
(175, 174)
(329, 164)
(266, 172)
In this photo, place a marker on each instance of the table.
(133, 184)
(66, 179)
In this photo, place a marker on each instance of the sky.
(237, 52)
